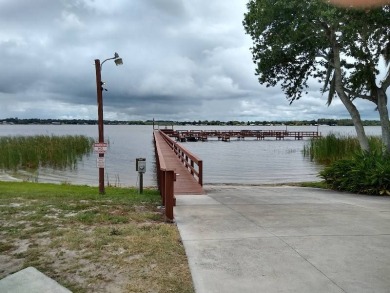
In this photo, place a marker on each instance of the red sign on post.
(100, 147)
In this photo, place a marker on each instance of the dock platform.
(227, 135)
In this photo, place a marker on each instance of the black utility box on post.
(140, 167)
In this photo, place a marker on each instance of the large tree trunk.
(357, 121)
(384, 117)
(353, 111)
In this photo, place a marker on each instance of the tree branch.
(356, 95)
(322, 56)
(386, 81)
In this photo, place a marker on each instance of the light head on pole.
(117, 59)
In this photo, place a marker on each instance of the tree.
(299, 40)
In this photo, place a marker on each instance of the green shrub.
(367, 173)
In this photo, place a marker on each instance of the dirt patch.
(9, 264)
(94, 246)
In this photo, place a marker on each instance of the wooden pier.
(178, 171)
(227, 135)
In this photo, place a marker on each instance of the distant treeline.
(321, 121)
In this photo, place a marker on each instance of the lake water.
(234, 162)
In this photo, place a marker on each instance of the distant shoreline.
(321, 121)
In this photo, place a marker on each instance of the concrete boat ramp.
(285, 239)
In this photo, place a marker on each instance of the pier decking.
(185, 182)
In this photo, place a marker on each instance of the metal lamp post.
(99, 91)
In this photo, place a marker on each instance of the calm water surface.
(234, 162)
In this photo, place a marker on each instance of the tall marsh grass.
(328, 149)
(32, 152)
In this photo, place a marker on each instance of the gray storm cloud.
(183, 60)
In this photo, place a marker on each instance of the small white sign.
(100, 162)
(100, 147)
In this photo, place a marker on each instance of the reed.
(331, 148)
(32, 152)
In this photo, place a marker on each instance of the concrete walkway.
(30, 280)
(285, 239)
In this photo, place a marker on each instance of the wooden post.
(141, 182)
(200, 166)
(169, 192)
(99, 91)
(162, 186)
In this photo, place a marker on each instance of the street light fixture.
(99, 91)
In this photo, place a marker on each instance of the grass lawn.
(117, 242)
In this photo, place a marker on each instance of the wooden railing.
(165, 181)
(193, 135)
(193, 164)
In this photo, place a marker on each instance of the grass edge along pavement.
(89, 242)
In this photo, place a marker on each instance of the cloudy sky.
(183, 60)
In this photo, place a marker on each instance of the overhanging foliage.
(297, 41)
